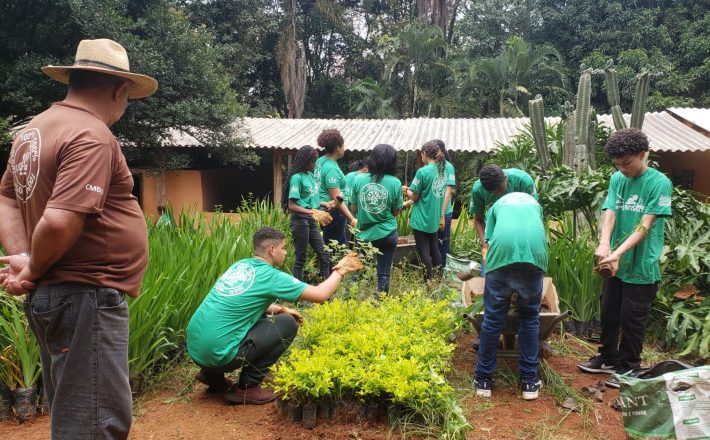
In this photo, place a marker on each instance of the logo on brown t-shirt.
(24, 163)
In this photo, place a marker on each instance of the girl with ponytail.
(300, 196)
(427, 194)
(447, 207)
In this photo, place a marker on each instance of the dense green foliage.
(194, 94)
(216, 59)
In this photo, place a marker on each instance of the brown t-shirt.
(67, 158)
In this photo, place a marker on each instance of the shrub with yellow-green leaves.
(395, 349)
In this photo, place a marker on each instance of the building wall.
(183, 191)
(674, 164)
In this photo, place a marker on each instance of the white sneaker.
(531, 391)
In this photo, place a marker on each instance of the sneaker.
(214, 386)
(483, 387)
(531, 390)
(254, 395)
(596, 365)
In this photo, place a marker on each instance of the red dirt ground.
(180, 411)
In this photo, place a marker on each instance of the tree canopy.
(217, 60)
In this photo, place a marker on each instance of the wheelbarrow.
(550, 317)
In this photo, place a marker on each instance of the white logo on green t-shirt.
(438, 186)
(373, 198)
(633, 204)
(237, 280)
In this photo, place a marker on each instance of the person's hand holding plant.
(349, 263)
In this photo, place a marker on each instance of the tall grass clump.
(184, 263)
(19, 356)
(571, 266)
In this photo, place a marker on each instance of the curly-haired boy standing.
(631, 242)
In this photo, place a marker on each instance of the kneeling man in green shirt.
(239, 326)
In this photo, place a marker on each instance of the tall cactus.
(591, 145)
(612, 96)
(568, 116)
(638, 110)
(582, 114)
(537, 126)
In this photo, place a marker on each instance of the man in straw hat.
(76, 241)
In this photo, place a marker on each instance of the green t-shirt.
(431, 187)
(375, 202)
(450, 181)
(631, 198)
(518, 181)
(349, 179)
(302, 189)
(328, 175)
(515, 232)
(234, 304)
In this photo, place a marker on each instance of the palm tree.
(291, 58)
(419, 59)
(291, 49)
(518, 69)
(375, 100)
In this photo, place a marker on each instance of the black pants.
(262, 346)
(428, 249)
(624, 310)
(304, 230)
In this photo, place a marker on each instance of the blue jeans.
(386, 246)
(83, 341)
(445, 238)
(526, 280)
(335, 230)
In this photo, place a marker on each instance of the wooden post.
(278, 176)
(162, 189)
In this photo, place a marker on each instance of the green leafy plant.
(20, 357)
(392, 350)
(571, 265)
(403, 226)
(689, 329)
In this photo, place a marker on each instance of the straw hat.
(108, 57)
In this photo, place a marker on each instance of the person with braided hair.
(301, 198)
(447, 209)
(427, 194)
(330, 182)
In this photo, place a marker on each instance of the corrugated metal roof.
(699, 117)
(482, 135)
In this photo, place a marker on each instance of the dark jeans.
(526, 280)
(624, 309)
(386, 246)
(83, 339)
(444, 238)
(335, 230)
(262, 346)
(304, 230)
(428, 249)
